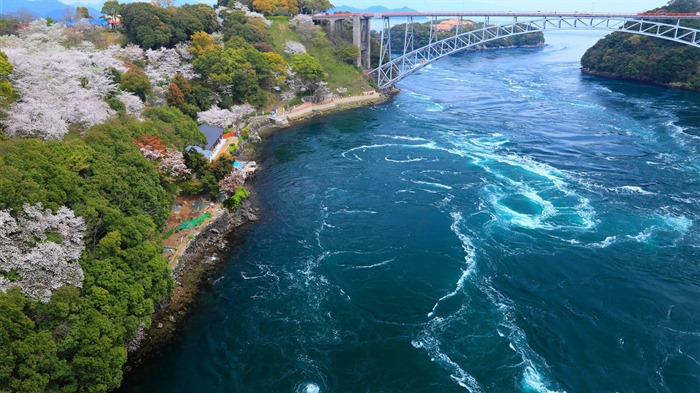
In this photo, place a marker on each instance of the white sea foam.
(633, 189)
(533, 363)
(457, 374)
(404, 161)
(542, 184)
(383, 263)
(404, 138)
(533, 380)
(608, 241)
(353, 211)
(677, 223)
(469, 259)
(432, 184)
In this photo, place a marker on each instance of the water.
(506, 224)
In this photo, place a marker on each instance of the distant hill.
(373, 9)
(648, 59)
(41, 8)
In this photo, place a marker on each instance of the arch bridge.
(660, 25)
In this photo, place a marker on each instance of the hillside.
(648, 59)
(97, 129)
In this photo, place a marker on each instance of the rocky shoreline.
(610, 75)
(206, 253)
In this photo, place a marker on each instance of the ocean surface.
(504, 224)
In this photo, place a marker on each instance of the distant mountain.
(373, 9)
(41, 8)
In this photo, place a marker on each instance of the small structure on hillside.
(450, 24)
(215, 141)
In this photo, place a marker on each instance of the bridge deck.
(379, 15)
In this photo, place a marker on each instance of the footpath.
(308, 109)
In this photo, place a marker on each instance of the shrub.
(232, 202)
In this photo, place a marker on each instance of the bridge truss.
(411, 59)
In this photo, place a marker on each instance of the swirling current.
(504, 224)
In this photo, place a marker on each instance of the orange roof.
(229, 135)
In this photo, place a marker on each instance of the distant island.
(648, 59)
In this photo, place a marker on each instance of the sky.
(480, 5)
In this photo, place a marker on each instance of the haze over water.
(504, 224)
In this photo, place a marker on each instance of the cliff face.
(648, 59)
(202, 256)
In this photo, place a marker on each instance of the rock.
(171, 318)
(214, 230)
(160, 325)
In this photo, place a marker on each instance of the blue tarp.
(91, 22)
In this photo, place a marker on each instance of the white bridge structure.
(396, 65)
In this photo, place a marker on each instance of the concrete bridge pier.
(360, 35)
(361, 38)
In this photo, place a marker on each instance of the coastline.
(205, 253)
(610, 75)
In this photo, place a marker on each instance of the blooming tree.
(163, 64)
(57, 86)
(232, 181)
(304, 25)
(248, 13)
(132, 102)
(292, 47)
(39, 250)
(152, 147)
(173, 164)
(225, 118)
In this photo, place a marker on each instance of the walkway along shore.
(204, 253)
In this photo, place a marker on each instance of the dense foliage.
(92, 137)
(646, 58)
(153, 27)
(281, 7)
(76, 342)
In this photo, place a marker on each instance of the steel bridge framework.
(412, 59)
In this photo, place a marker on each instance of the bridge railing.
(395, 69)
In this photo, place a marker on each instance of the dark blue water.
(505, 224)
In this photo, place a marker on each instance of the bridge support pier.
(361, 36)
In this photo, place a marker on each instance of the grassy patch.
(232, 202)
(340, 74)
(168, 234)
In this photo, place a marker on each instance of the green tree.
(147, 25)
(111, 8)
(315, 6)
(307, 67)
(5, 66)
(82, 12)
(136, 81)
(200, 42)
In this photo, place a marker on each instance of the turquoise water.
(505, 224)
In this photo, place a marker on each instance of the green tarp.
(193, 222)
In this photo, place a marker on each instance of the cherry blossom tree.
(132, 102)
(225, 118)
(232, 181)
(173, 164)
(304, 25)
(58, 86)
(163, 64)
(39, 250)
(152, 147)
(292, 47)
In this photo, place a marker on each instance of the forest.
(93, 129)
(648, 59)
